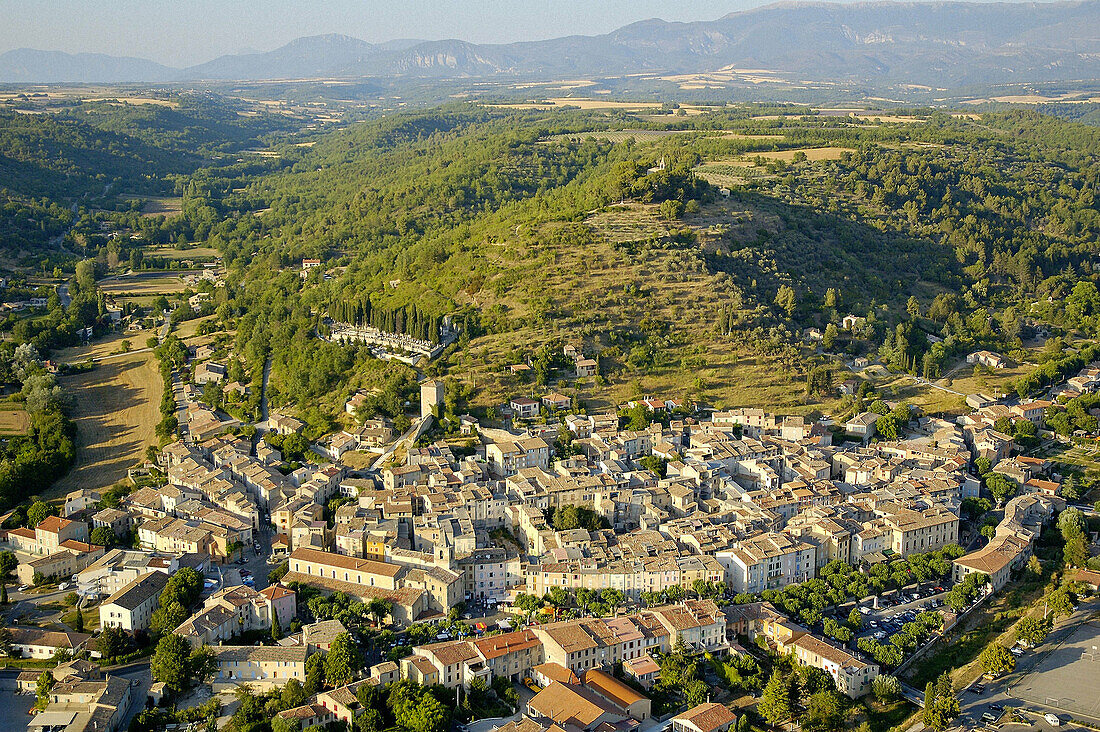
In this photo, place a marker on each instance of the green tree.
(828, 340)
(786, 300)
(276, 626)
(112, 642)
(42, 689)
(945, 709)
(1060, 602)
(913, 307)
(1032, 630)
(171, 663)
(775, 704)
(282, 724)
(528, 603)
(370, 720)
(167, 618)
(103, 536)
(1071, 522)
(1076, 551)
(886, 688)
(183, 587)
(1000, 487)
(982, 465)
(996, 660)
(613, 598)
(855, 619)
(38, 512)
(379, 609)
(315, 673)
(342, 662)
(695, 693)
(823, 712)
(292, 694)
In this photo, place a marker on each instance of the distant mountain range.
(939, 44)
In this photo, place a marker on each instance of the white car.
(1016, 651)
(63, 586)
(24, 588)
(1052, 720)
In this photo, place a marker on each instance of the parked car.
(1052, 720)
(63, 586)
(989, 717)
(24, 588)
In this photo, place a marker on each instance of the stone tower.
(431, 395)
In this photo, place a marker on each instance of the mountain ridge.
(934, 43)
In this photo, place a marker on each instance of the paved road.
(17, 710)
(1000, 691)
(24, 603)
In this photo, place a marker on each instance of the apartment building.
(768, 561)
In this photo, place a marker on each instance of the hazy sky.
(180, 32)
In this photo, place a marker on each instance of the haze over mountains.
(937, 44)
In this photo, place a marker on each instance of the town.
(656, 565)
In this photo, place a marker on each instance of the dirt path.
(116, 409)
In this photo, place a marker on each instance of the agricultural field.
(158, 205)
(115, 408)
(813, 154)
(583, 103)
(110, 345)
(153, 283)
(644, 136)
(195, 252)
(14, 420)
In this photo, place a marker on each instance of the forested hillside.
(684, 251)
(57, 168)
(531, 226)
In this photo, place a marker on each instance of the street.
(1015, 690)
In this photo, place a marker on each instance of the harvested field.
(167, 206)
(174, 253)
(108, 346)
(13, 421)
(812, 153)
(888, 118)
(115, 408)
(158, 283)
(581, 103)
(643, 136)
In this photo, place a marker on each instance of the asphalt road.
(1002, 692)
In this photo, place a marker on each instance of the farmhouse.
(987, 358)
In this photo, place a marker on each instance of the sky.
(184, 32)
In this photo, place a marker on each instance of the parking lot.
(881, 623)
(1066, 677)
(1061, 677)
